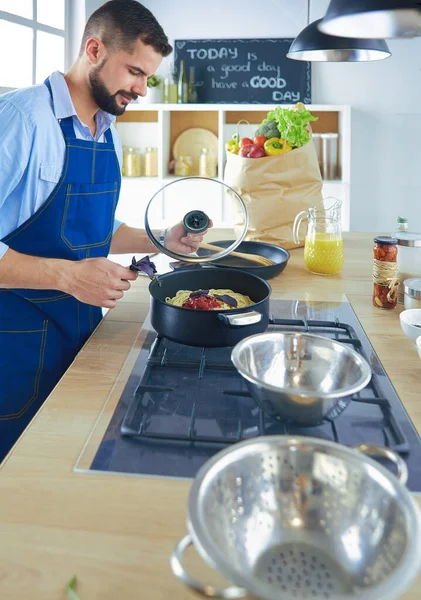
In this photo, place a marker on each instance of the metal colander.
(305, 519)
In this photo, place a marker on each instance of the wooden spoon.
(261, 260)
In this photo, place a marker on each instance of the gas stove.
(182, 404)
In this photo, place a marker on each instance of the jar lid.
(412, 287)
(386, 240)
(402, 220)
(409, 239)
(188, 205)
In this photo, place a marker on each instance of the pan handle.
(207, 591)
(241, 319)
(402, 469)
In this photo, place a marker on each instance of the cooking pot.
(302, 518)
(209, 328)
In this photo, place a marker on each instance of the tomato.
(259, 140)
(245, 142)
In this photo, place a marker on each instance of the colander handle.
(402, 469)
(207, 591)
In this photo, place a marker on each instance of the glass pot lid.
(187, 215)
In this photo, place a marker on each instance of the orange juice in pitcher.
(323, 246)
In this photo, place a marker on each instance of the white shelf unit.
(158, 125)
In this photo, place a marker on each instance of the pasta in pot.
(214, 299)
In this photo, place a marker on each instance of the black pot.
(209, 328)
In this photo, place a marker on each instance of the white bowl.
(409, 319)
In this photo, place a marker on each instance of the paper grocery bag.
(275, 189)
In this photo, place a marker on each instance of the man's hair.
(120, 23)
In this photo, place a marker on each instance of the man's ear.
(94, 50)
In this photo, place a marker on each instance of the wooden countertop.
(116, 533)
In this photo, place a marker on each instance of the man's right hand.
(97, 281)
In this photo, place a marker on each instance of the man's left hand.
(177, 240)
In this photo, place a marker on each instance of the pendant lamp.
(313, 45)
(372, 18)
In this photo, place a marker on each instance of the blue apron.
(41, 331)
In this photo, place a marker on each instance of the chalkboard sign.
(252, 71)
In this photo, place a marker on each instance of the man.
(59, 184)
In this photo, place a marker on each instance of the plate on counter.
(190, 143)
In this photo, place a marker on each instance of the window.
(32, 37)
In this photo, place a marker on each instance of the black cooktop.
(183, 404)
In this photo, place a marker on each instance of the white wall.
(385, 97)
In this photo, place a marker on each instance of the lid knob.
(196, 221)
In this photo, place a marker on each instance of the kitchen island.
(116, 532)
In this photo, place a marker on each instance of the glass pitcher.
(323, 246)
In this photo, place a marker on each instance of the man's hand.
(177, 240)
(97, 281)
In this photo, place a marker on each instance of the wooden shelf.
(138, 116)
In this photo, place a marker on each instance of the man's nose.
(140, 88)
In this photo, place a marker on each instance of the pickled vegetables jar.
(385, 272)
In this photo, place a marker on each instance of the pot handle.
(241, 319)
(402, 469)
(207, 591)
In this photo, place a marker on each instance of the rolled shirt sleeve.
(3, 249)
(117, 224)
(15, 143)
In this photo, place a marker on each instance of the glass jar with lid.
(385, 272)
(132, 162)
(183, 166)
(151, 162)
(207, 163)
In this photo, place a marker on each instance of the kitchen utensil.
(418, 345)
(330, 155)
(409, 259)
(191, 141)
(209, 328)
(300, 377)
(175, 201)
(412, 292)
(410, 322)
(303, 518)
(323, 248)
(279, 257)
(261, 260)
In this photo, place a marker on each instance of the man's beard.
(103, 99)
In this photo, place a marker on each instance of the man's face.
(121, 77)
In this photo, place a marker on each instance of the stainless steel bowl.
(305, 519)
(300, 377)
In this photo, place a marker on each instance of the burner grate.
(195, 395)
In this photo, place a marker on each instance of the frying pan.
(279, 256)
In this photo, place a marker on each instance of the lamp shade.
(313, 45)
(372, 18)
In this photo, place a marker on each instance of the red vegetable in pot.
(200, 302)
(251, 151)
